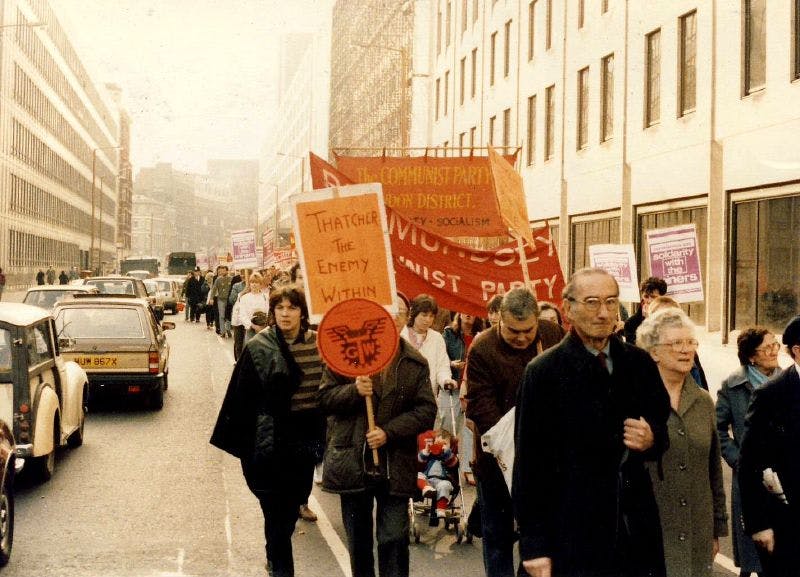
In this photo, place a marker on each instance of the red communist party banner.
(459, 278)
(464, 279)
(450, 196)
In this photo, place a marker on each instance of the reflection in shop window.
(766, 276)
(585, 234)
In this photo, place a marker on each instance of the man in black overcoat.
(590, 412)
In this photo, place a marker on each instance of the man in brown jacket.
(495, 365)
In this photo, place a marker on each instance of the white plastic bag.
(499, 441)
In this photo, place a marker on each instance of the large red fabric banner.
(459, 278)
(463, 279)
(451, 196)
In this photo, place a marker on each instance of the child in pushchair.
(440, 470)
(439, 495)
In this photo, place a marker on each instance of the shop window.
(766, 256)
(586, 233)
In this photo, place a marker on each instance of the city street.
(146, 494)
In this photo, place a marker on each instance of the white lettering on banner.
(489, 288)
(437, 278)
(680, 254)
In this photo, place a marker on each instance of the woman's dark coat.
(194, 289)
(772, 440)
(253, 423)
(580, 497)
(404, 408)
(733, 400)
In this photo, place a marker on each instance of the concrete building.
(301, 124)
(153, 223)
(637, 115)
(58, 130)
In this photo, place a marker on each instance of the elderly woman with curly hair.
(758, 356)
(688, 488)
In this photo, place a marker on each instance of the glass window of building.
(438, 30)
(506, 130)
(581, 12)
(549, 121)
(755, 45)
(585, 233)
(530, 143)
(492, 122)
(507, 49)
(474, 81)
(796, 39)
(461, 81)
(438, 96)
(607, 104)
(447, 23)
(688, 67)
(475, 10)
(666, 219)
(492, 55)
(472, 132)
(583, 108)
(548, 37)
(531, 28)
(461, 139)
(446, 91)
(652, 89)
(604, 6)
(766, 255)
(464, 18)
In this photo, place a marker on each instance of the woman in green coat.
(688, 485)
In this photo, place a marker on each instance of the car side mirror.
(167, 325)
(66, 342)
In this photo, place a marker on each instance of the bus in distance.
(148, 263)
(180, 263)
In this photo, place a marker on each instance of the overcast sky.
(199, 76)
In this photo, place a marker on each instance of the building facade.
(59, 160)
(636, 115)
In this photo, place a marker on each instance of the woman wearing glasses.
(758, 355)
(688, 485)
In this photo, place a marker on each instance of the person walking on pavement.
(650, 289)
(194, 294)
(769, 465)
(51, 275)
(404, 408)
(184, 296)
(2, 283)
(238, 284)
(758, 356)
(495, 364)
(40, 277)
(271, 421)
(590, 412)
(219, 295)
(205, 289)
(63, 278)
(688, 480)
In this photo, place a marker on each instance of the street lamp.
(91, 242)
(403, 86)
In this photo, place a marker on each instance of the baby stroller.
(422, 508)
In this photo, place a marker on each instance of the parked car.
(126, 285)
(153, 294)
(44, 396)
(119, 342)
(170, 292)
(46, 296)
(10, 465)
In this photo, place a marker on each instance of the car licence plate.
(97, 361)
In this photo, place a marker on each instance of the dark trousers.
(238, 341)
(281, 510)
(497, 520)
(391, 533)
(195, 311)
(211, 313)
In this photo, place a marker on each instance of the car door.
(6, 376)
(43, 381)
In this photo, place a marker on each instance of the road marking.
(331, 537)
(726, 563)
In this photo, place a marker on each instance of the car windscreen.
(113, 287)
(44, 299)
(163, 285)
(5, 356)
(100, 323)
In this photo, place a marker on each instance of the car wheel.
(6, 522)
(156, 400)
(44, 466)
(166, 381)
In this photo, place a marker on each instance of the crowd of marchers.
(617, 444)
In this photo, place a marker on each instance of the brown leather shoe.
(307, 514)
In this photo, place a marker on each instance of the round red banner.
(357, 337)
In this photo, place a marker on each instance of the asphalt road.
(146, 495)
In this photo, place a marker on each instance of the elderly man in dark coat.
(590, 412)
(770, 455)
